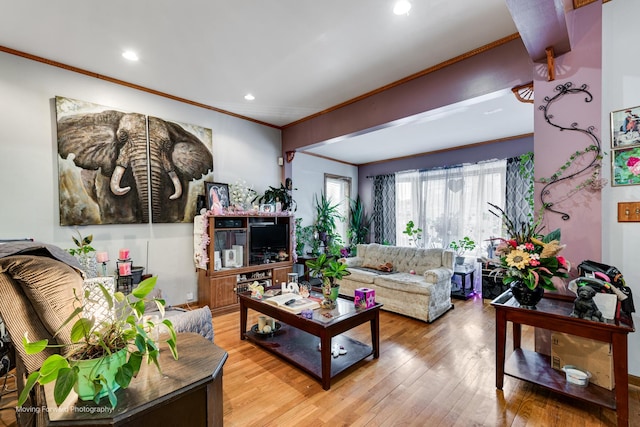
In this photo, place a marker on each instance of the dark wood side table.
(554, 314)
(187, 393)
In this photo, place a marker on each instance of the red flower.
(562, 261)
(632, 161)
(512, 243)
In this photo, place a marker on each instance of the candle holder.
(125, 280)
(104, 269)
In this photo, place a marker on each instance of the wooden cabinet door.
(224, 291)
(280, 274)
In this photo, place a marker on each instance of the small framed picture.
(625, 128)
(229, 258)
(267, 208)
(217, 196)
(625, 166)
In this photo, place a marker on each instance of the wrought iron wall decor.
(594, 181)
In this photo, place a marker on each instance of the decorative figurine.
(584, 307)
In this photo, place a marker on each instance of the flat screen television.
(269, 237)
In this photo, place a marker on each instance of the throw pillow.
(20, 317)
(49, 285)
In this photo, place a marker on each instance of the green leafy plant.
(463, 245)
(414, 233)
(359, 223)
(281, 194)
(90, 339)
(83, 244)
(327, 215)
(328, 269)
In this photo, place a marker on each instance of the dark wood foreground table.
(297, 339)
(187, 393)
(554, 314)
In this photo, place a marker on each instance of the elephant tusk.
(115, 182)
(176, 185)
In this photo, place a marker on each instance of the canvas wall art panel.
(117, 167)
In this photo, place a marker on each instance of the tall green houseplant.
(359, 223)
(327, 215)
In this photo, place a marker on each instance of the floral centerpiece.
(528, 256)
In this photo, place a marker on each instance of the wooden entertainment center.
(256, 247)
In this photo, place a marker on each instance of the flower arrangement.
(528, 255)
(241, 195)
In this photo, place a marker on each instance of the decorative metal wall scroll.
(593, 182)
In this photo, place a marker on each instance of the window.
(448, 204)
(337, 189)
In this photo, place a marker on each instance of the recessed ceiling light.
(402, 7)
(130, 55)
(249, 97)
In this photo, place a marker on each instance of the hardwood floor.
(439, 374)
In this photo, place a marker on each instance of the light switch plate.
(629, 212)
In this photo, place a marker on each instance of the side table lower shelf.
(300, 348)
(536, 368)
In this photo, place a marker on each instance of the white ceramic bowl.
(576, 376)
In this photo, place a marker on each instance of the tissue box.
(365, 297)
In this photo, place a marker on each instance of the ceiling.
(297, 57)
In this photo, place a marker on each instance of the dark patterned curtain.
(384, 209)
(519, 189)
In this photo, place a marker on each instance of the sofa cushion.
(410, 283)
(20, 317)
(363, 276)
(49, 285)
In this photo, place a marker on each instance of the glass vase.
(88, 264)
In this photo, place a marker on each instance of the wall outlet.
(189, 296)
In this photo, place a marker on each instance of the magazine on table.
(293, 302)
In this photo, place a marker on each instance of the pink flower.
(562, 261)
(529, 246)
(635, 169)
(632, 161)
(534, 262)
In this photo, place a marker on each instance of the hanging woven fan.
(524, 92)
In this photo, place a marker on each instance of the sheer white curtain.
(448, 204)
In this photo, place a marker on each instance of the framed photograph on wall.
(625, 166)
(625, 127)
(217, 195)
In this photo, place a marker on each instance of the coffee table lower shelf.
(300, 348)
(536, 368)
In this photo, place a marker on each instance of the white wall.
(28, 166)
(620, 89)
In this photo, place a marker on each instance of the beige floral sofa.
(418, 285)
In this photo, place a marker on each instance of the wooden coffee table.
(297, 339)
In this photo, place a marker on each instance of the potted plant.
(275, 195)
(85, 254)
(414, 233)
(95, 364)
(326, 217)
(328, 270)
(359, 223)
(461, 246)
(529, 260)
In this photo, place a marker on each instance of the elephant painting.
(129, 164)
